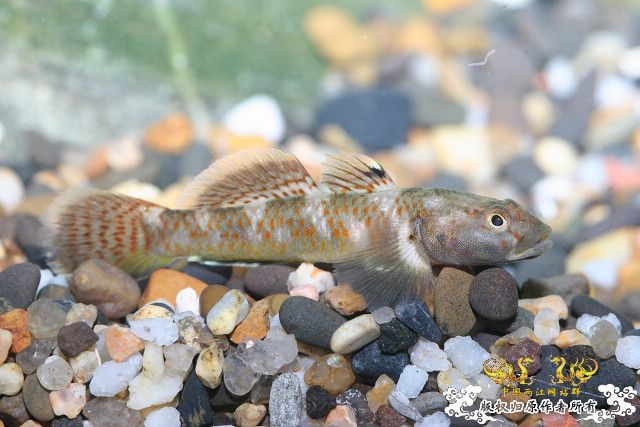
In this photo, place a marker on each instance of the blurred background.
(534, 100)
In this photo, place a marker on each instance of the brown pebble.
(388, 417)
(345, 300)
(210, 297)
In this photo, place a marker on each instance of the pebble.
(354, 334)
(370, 363)
(187, 301)
(18, 283)
(583, 304)
(401, 403)
(627, 351)
(428, 356)
(5, 344)
(110, 412)
(332, 372)
(268, 356)
(33, 356)
(113, 291)
(110, 378)
(194, 406)
(45, 318)
(265, 280)
(493, 295)
(165, 284)
(395, 337)
(163, 417)
(523, 318)
(69, 401)
(452, 309)
(55, 373)
(75, 338)
(341, 416)
(466, 355)
(232, 308)
(12, 189)
(258, 115)
(437, 419)
(84, 365)
(389, 417)
(382, 314)
(249, 415)
(412, 380)
(552, 302)
(566, 286)
(11, 379)
(546, 325)
(429, 402)
(378, 395)
(570, 337)
(159, 330)
(604, 337)
(527, 348)
(13, 407)
(345, 300)
(121, 343)
(309, 275)
(451, 378)
(307, 291)
(239, 379)
(209, 366)
(611, 371)
(178, 359)
(286, 401)
(79, 312)
(415, 315)
(210, 296)
(15, 321)
(319, 402)
(155, 385)
(171, 135)
(309, 321)
(36, 399)
(355, 399)
(255, 325)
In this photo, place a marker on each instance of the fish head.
(467, 229)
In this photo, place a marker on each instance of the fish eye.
(497, 220)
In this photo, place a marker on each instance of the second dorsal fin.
(249, 176)
(347, 172)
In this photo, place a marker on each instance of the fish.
(261, 205)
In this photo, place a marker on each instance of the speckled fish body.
(262, 206)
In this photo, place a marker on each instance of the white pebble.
(12, 189)
(354, 334)
(163, 417)
(490, 389)
(111, 377)
(11, 379)
(159, 330)
(258, 115)
(586, 322)
(428, 356)
(437, 419)
(401, 403)
(309, 275)
(627, 351)
(383, 315)
(546, 325)
(223, 317)
(411, 381)
(466, 355)
(187, 300)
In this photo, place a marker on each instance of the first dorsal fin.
(249, 176)
(351, 172)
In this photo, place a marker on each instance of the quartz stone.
(55, 373)
(331, 372)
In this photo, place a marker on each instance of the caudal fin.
(84, 224)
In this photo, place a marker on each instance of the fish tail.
(84, 224)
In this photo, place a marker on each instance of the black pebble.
(494, 295)
(266, 280)
(18, 284)
(75, 338)
(319, 402)
(66, 422)
(29, 237)
(370, 363)
(194, 407)
(634, 332)
(395, 337)
(415, 315)
(485, 339)
(211, 275)
(583, 304)
(309, 321)
(357, 401)
(221, 420)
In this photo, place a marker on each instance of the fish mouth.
(542, 246)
